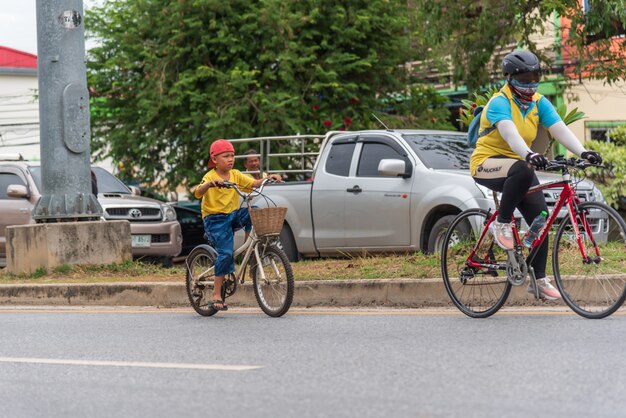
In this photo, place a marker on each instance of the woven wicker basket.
(267, 221)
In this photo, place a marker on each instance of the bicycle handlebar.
(253, 193)
(565, 163)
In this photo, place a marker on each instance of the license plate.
(141, 241)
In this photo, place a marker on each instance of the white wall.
(19, 115)
(598, 101)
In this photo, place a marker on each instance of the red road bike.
(588, 253)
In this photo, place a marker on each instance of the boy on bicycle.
(221, 213)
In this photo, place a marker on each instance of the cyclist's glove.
(536, 159)
(592, 156)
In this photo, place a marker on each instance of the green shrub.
(612, 178)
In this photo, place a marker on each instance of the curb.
(399, 293)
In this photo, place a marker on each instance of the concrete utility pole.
(63, 114)
(65, 165)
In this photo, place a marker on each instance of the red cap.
(219, 147)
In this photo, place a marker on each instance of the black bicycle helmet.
(518, 62)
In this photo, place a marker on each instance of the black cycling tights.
(514, 186)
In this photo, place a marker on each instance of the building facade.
(19, 107)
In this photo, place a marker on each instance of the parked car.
(385, 191)
(191, 226)
(187, 213)
(155, 231)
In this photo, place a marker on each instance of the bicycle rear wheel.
(273, 280)
(593, 288)
(477, 291)
(200, 265)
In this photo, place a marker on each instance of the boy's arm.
(204, 186)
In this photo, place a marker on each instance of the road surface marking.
(69, 362)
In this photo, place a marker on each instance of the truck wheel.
(288, 244)
(438, 233)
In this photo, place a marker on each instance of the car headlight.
(596, 194)
(169, 214)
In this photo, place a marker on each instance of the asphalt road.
(166, 363)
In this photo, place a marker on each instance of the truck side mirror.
(17, 190)
(393, 168)
(135, 191)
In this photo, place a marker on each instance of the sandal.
(219, 305)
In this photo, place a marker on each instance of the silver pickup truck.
(385, 191)
(155, 232)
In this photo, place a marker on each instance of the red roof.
(12, 58)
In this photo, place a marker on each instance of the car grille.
(134, 214)
(552, 196)
(156, 238)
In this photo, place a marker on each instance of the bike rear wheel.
(273, 280)
(200, 265)
(593, 288)
(478, 292)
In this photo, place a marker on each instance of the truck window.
(371, 154)
(339, 158)
(444, 152)
(6, 179)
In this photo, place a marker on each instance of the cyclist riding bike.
(503, 160)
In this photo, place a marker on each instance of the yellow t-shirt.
(493, 144)
(220, 199)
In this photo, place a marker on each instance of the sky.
(18, 24)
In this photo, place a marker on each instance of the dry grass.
(415, 266)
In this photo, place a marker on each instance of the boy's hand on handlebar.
(220, 183)
(592, 156)
(536, 159)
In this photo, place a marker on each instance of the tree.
(468, 33)
(168, 78)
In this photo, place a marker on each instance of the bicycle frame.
(567, 198)
(249, 247)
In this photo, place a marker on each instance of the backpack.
(473, 131)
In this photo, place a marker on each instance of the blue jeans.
(220, 229)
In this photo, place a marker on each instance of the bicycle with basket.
(270, 270)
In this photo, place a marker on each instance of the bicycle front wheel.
(200, 265)
(596, 287)
(480, 290)
(273, 280)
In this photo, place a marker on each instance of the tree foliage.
(169, 77)
(612, 179)
(467, 34)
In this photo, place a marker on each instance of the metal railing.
(268, 148)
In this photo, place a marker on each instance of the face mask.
(526, 89)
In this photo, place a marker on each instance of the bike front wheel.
(200, 265)
(596, 287)
(273, 280)
(478, 291)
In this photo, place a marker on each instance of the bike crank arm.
(516, 268)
